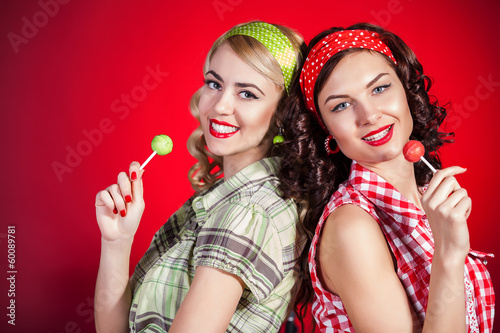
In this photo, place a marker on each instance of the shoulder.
(348, 225)
(255, 208)
(346, 201)
(260, 191)
(347, 194)
(352, 239)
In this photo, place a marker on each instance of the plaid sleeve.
(243, 240)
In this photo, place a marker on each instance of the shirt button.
(485, 262)
(199, 205)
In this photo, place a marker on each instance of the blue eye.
(212, 84)
(341, 106)
(380, 89)
(247, 95)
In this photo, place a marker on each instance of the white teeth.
(379, 135)
(223, 129)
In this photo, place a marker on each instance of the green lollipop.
(161, 145)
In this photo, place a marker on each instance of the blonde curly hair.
(204, 173)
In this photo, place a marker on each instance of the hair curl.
(205, 172)
(310, 176)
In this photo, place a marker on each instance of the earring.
(279, 137)
(327, 146)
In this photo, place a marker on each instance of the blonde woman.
(224, 261)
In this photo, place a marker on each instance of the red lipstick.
(382, 140)
(221, 135)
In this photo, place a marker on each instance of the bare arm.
(356, 264)
(118, 219)
(447, 206)
(210, 302)
(112, 293)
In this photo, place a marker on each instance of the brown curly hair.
(310, 176)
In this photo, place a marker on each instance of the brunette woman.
(389, 245)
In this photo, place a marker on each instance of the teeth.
(378, 136)
(223, 129)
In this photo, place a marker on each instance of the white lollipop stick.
(412, 150)
(428, 164)
(147, 161)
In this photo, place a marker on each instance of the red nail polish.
(115, 211)
(122, 213)
(128, 198)
(133, 176)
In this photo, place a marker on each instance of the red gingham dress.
(407, 231)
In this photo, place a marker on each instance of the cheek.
(341, 124)
(258, 118)
(340, 133)
(203, 112)
(203, 105)
(404, 111)
(397, 101)
(266, 117)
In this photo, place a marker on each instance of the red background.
(67, 75)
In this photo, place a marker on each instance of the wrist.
(449, 260)
(122, 244)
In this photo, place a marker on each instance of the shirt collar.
(385, 196)
(230, 189)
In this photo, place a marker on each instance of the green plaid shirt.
(241, 226)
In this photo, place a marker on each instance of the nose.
(224, 105)
(368, 113)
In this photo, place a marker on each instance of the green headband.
(275, 41)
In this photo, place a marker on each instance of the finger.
(447, 186)
(463, 208)
(116, 194)
(103, 199)
(441, 192)
(125, 187)
(453, 199)
(134, 171)
(467, 213)
(136, 177)
(440, 175)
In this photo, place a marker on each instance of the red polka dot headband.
(327, 48)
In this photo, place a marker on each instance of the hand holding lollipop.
(446, 205)
(161, 145)
(414, 151)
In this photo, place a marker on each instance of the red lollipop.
(414, 151)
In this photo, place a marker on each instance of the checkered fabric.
(409, 235)
(241, 226)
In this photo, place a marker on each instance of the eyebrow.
(245, 85)
(217, 76)
(375, 79)
(367, 86)
(237, 84)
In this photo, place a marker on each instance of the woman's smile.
(221, 129)
(380, 136)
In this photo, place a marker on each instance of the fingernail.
(128, 198)
(133, 176)
(122, 213)
(115, 211)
